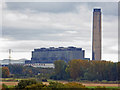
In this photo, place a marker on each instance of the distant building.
(96, 39)
(49, 55)
(42, 65)
(5, 62)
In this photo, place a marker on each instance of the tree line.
(86, 70)
(73, 70)
(20, 71)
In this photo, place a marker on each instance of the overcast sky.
(37, 24)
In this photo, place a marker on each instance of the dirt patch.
(8, 83)
(106, 85)
(88, 84)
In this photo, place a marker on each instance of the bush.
(101, 87)
(23, 83)
(4, 86)
(56, 85)
(67, 85)
(36, 86)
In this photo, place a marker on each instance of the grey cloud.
(28, 34)
(52, 7)
(47, 34)
(108, 8)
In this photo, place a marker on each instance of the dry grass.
(106, 85)
(47, 83)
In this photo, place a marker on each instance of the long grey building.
(49, 55)
(96, 39)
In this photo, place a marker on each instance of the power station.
(49, 55)
(96, 35)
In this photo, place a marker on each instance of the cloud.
(40, 7)
(30, 25)
(47, 25)
(61, 7)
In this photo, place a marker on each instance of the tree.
(77, 68)
(23, 83)
(5, 72)
(16, 69)
(118, 70)
(101, 70)
(60, 67)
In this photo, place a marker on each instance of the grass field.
(14, 79)
(88, 85)
(11, 82)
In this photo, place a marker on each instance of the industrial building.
(49, 55)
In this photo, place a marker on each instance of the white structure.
(42, 65)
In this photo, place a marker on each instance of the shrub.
(101, 87)
(4, 86)
(56, 85)
(36, 86)
(67, 85)
(23, 83)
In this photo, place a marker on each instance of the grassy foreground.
(87, 85)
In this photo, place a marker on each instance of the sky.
(29, 25)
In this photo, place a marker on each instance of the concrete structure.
(49, 55)
(96, 39)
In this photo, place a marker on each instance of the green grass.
(105, 87)
(15, 79)
(50, 80)
(90, 86)
(10, 86)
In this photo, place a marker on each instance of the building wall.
(50, 55)
(96, 42)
